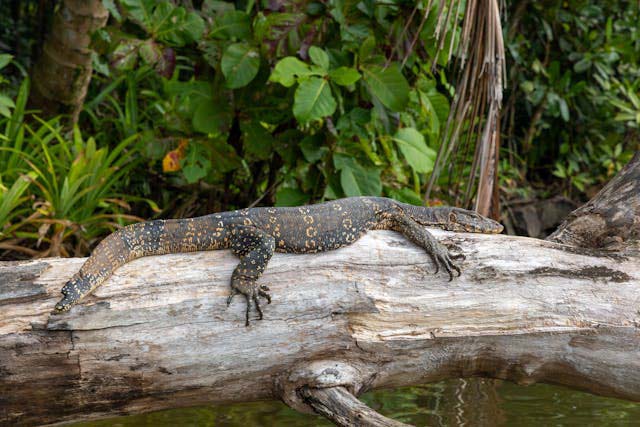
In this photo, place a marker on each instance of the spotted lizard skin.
(254, 234)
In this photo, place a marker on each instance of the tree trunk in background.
(611, 220)
(62, 75)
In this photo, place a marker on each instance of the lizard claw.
(230, 297)
(263, 292)
(441, 257)
(251, 291)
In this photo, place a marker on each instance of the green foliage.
(240, 63)
(388, 85)
(284, 103)
(412, 146)
(6, 103)
(574, 80)
(58, 193)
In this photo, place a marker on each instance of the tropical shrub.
(277, 102)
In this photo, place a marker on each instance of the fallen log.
(158, 334)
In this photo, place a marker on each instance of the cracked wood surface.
(158, 334)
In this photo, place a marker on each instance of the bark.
(158, 334)
(611, 220)
(62, 75)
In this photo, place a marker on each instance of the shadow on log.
(158, 334)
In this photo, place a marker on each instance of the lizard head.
(72, 292)
(457, 219)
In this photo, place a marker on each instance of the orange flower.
(171, 161)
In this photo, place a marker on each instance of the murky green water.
(472, 402)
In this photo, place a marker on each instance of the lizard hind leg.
(255, 249)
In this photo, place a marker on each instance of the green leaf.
(405, 195)
(194, 173)
(211, 117)
(344, 76)
(216, 7)
(139, 10)
(257, 142)
(124, 56)
(175, 26)
(583, 65)
(319, 57)
(290, 197)
(564, 109)
(367, 47)
(240, 64)
(411, 143)
(234, 23)
(288, 69)
(313, 100)
(111, 7)
(196, 165)
(388, 85)
(355, 179)
(193, 27)
(150, 51)
(6, 101)
(312, 148)
(5, 59)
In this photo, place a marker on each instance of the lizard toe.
(256, 301)
(246, 322)
(265, 295)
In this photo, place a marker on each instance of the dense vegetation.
(203, 106)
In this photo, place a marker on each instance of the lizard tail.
(138, 240)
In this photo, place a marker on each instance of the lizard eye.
(452, 217)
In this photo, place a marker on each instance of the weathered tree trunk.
(61, 76)
(158, 334)
(611, 220)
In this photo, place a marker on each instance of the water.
(470, 402)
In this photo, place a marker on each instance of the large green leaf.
(5, 59)
(388, 85)
(257, 142)
(313, 100)
(290, 197)
(411, 143)
(355, 179)
(211, 116)
(344, 76)
(319, 57)
(240, 64)
(165, 21)
(139, 10)
(288, 69)
(312, 148)
(233, 23)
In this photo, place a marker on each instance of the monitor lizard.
(254, 234)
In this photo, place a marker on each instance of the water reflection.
(470, 402)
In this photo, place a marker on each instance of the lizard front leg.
(255, 249)
(420, 236)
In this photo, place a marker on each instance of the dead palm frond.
(475, 110)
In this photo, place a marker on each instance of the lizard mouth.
(60, 308)
(64, 304)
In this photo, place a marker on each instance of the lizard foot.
(251, 291)
(441, 257)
